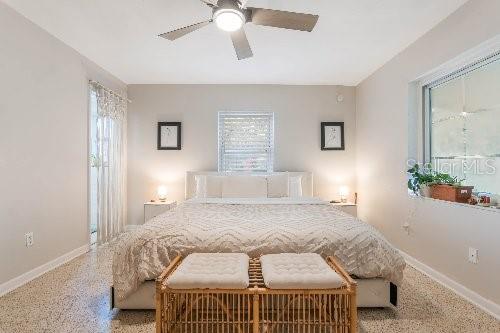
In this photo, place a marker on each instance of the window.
(463, 124)
(246, 141)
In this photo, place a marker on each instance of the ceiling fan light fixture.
(229, 19)
(231, 15)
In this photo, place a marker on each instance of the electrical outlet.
(29, 239)
(473, 255)
(406, 227)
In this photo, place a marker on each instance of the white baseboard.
(40, 270)
(471, 296)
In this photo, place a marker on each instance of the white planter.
(425, 191)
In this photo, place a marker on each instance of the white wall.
(298, 113)
(440, 232)
(43, 145)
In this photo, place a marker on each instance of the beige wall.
(298, 113)
(440, 233)
(43, 145)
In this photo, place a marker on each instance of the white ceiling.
(352, 39)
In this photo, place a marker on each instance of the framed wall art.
(169, 136)
(332, 136)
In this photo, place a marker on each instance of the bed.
(255, 225)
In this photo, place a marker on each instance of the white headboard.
(307, 180)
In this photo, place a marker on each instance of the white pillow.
(208, 186)
(214, 186)
(244, 187)
(295, 187)
(201, 186)
(277, 186)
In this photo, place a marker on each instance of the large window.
(463, 124)
(246, 141)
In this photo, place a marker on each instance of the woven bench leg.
(159, 310)
(255, 313)
(354, 311)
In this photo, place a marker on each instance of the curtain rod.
(109, 90)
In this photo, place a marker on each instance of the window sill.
(489, 209)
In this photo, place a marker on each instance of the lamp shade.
(344, 191)
(162, 192)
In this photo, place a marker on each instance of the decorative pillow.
(295, 187)
(201, 186)
(244, 187)
(214, 186)
(277, 186)
(208, 186)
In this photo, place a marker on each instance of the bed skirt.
(372, 293)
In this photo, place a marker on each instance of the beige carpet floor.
(75, 298)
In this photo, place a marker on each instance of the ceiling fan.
(231, 15)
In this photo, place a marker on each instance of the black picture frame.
(324, 128)
(179, 130)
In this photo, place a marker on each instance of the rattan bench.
(257, 308)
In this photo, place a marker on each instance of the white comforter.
(256, 228)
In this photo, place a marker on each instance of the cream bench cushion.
(298, 271)
(211, 271)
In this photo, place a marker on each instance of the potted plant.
(449, 188)
(420, 179)
(437, 185)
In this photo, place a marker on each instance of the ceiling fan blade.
(173, 35)
(208, 3)
(282, 19)
(241, 45)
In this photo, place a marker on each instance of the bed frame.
(372, 293)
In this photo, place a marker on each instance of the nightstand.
(153, 209)
(348, 207)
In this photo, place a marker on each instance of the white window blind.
(246, 141)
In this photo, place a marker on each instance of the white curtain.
(110, 162)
